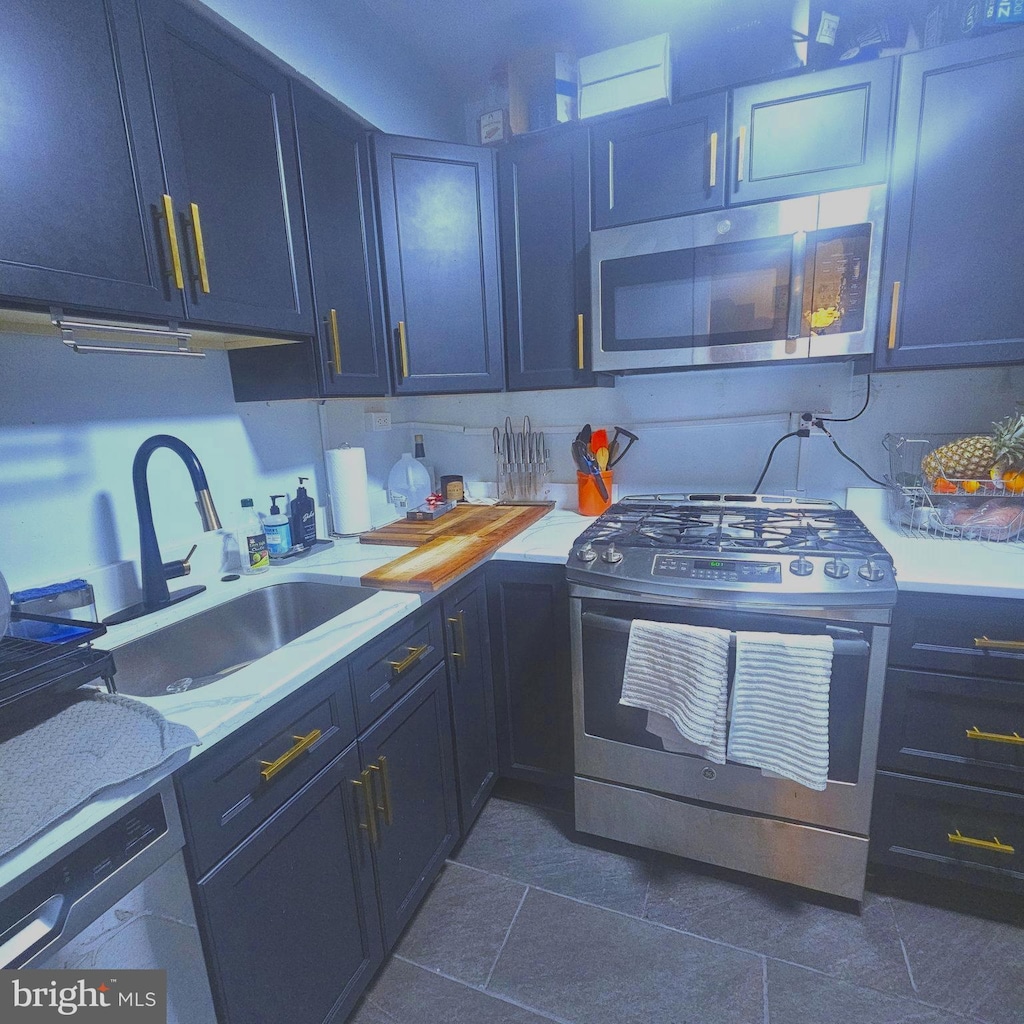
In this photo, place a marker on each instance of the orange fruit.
(971, 486)
(944, 486)
(1013, 481)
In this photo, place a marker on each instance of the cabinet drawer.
(954, 727)
(960, 832)
(390, 666)
(246, 777)
(933, 631)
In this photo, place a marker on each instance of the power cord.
(802, 432)
(850, 419)
(835, 444)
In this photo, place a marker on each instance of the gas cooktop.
(791, 550)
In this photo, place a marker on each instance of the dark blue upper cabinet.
(80, 202)
(544, 206)
(228, 143)
(338, 203)
(951, 276)
(812, 133)
(660, 163)
(439, 246)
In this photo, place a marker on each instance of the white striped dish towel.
(681, 672)
(780, 705)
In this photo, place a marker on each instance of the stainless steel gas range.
(735, 562)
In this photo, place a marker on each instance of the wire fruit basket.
(947, 507)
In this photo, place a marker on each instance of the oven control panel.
(721, 569)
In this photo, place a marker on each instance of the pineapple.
(980, 456)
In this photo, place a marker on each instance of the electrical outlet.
(378, 421)
(811, 421)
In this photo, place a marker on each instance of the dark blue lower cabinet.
(408, 755)
(290, 920)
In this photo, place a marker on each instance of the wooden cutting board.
(447, 547)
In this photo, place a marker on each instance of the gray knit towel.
(681, 672)
(53, 765)
(780, 705)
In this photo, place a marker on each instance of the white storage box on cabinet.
(626, 76)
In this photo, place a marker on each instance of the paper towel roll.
(348, 489)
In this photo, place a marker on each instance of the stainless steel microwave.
(794, 279)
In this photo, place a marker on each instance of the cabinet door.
(80, 204)
(472, 696)
(955, 221)
(337, 197)
(228, 144)
(814, 133)
(660, 163)
(440, 253)
(409, 755)
(544, 206)
(289, 920)
(529, 613)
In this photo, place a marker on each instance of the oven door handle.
(841, 648)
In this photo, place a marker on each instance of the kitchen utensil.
(585, 435)
(614, 455)
(598, 439)
(602, 458)
(587, 464)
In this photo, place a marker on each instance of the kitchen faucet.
(155, 571)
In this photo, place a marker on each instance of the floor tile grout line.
(508, 932)
(764, 987)
(903, 945)
(373, 1001)
(501, 998)
(647, 896)
(705, 938)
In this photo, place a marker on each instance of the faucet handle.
(181, 567)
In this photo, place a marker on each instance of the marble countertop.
(934, 566)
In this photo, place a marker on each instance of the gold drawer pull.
(985, 644)
(403, 349)
(335, 340)
(713, 176)
(579, 341)
(974, 733)
(197, 229)
(302, 743)
(982, 844)
(459, 620)
(414, 655)
(894, 314)
(172, 242)
(381, 768)
(364, 785)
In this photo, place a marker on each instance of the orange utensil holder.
(590, 501)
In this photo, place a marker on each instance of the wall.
(702, 430)
(345, 48)
(69, 429)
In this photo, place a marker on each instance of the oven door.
(612, 743)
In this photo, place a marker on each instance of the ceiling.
(463, 40)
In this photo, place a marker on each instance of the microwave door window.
(743, 291)
(835, 294)
(647, 302)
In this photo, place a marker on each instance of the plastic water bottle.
(408, 484)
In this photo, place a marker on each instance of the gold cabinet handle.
(974, 733)
(894, 312)
(982, 844)
(364, 786)
(385, 807)
(302, 743)
(197, 230)
(172, 243)
(713, 174)
(403, 349)
(460, 620)
(579, 341)
(741, 151)
(414, 655)
(335, 340)
(985, 644)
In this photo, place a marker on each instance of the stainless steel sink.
(211, 645)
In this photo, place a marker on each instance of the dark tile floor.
(532, 922)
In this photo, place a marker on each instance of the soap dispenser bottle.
(277, 528)
(303, 517)
(252, 541)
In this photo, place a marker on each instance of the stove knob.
(837, 569)
(801, 566)
(586, 553)
(612, 555)
(871, 571)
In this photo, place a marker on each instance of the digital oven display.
(717, 569)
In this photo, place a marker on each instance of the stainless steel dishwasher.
(117, 898)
